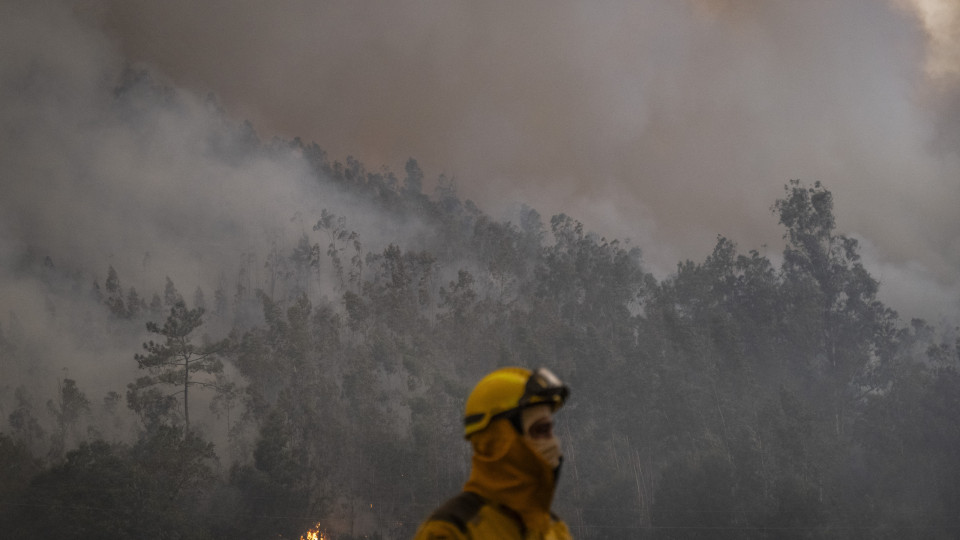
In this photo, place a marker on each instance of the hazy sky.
(664, 121)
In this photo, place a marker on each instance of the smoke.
(100, 166)
(664, 122)
(941, 21)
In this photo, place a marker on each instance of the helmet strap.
(514, 417)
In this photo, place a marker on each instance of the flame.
(315, 534)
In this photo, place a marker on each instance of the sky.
(663, 122)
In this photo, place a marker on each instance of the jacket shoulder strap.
(459, 510)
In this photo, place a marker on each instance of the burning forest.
(209, 332)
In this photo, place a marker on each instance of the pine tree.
(177, 361)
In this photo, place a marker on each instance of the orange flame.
(315, 534)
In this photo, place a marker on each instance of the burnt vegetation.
(737, 398)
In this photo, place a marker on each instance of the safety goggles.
(544, 387)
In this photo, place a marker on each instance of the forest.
(319, 385)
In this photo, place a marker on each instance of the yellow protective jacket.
(507, 497)
(469, 516)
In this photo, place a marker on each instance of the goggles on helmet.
(542, 388)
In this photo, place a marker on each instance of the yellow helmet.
(510, 389)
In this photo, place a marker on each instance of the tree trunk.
(186, 386)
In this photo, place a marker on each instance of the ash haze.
(124, 146)
(667, 123)
(146, 184)
(663, 122)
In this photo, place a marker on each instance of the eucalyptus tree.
(838, 323)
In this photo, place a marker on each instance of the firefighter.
(515, 464)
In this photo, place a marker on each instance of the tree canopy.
(735, 398)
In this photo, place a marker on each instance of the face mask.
(538, 433)
(548, 449)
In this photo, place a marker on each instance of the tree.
(135, 304)
(70, 405)
(24, 424)
(156, 305)
(153, 490)
(170, 294)
(306, 262)
(271, 496)
(339, 235)
(199, 299)
(17, 467)
(149, 403)
(114, 294)
(177, 361)
(220, 301)
(837, 321)
(413, 182)
(910, 434)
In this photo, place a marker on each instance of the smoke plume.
(667, 123)
(664, 122)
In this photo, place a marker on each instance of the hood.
(505, 469)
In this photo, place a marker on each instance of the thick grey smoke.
(99, 171)
(664, 122)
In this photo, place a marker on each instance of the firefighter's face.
(538, 433)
